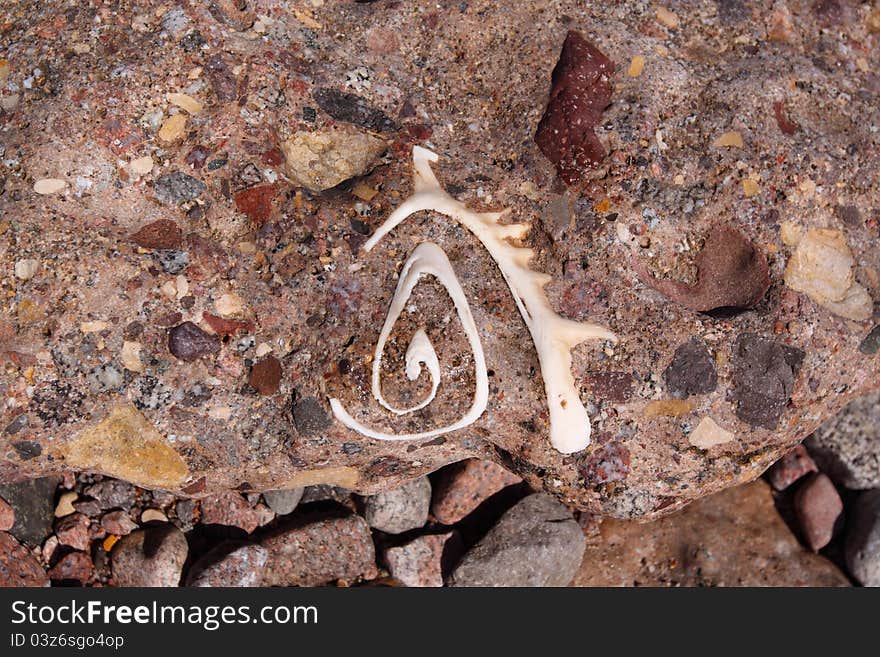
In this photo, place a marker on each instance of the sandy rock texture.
(153, 252)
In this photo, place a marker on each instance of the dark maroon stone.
(692, 370)
(764, 373)
(579, 93)
(188, 342)
(159, 234)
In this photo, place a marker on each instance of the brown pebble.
(188, 342)
(159, 234)
(266, 376)
(817, 506)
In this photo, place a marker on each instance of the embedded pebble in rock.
(692, 370)
(73, 567)
(125, 445)
(33, 505)
(462, 487)
(318, 551)
(18, 568)
(283, 502)
(847, 448)
(309, 416)
(73, 530)
(26, 268)
(733, 538)
(790, 468)
(48, 186)
(188, 342)
(764, 375)
(141, 166)
(419, 562)
(229, 305)
(580, 91)
(400, 509)
(65, 504)
(232, 563)
(177, 187)
(535, 543)
(173, 128)
(150, 557)
(118, 523)
(321, 160)
(708, 434)
(7, 516)
(159, 234)
(347, 107)
(817, 506)
(862, 548)
(265, 376)
(112, 493)
(184, 101)
(230, 509)
(822, 268)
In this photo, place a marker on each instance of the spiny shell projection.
(553, 336)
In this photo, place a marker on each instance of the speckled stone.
(151, 557)
(18, 566)
(317, 551)
(229, 564)
(399, 509)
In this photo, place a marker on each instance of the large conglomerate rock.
(112, 238)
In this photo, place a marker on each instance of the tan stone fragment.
(126, 446)
(321, 160)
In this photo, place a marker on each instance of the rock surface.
(847, 447)
(152, 557)
(536, 543)
(733, 538)
(719, 124)
(399, 509)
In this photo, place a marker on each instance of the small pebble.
(667, 18)
(141, 166)
(817, 506)
(26, 269)
(49, 186)
(185, 102)
(636, 66)
(151, 515)
(265, 376)
(65, 504)
(708, 434)
(188, 342)
(229, 305)
(173, 128)
(729, 140)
